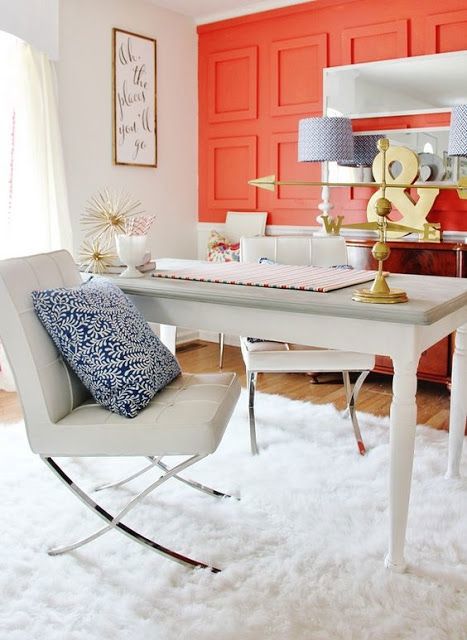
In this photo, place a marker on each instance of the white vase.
(131, 250)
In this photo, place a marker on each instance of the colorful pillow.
(108, 343)
(221, 250)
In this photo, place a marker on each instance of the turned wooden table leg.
(458, 403)
(403, 417)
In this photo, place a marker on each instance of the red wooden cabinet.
(426, 258)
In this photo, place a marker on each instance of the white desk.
(437, 306)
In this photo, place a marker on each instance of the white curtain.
(34, 214)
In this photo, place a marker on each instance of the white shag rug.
(302, 552)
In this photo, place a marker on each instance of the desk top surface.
(431, 298)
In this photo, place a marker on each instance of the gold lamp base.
(380, 293)
(393, 296)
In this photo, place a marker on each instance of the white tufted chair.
(246, 224)
(274, 357)
(187, 418)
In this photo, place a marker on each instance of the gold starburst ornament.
(107, 213)
(96, 256)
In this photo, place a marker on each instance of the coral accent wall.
(259, 74)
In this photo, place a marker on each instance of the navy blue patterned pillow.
(108, 343)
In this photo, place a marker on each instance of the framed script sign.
(134, 99)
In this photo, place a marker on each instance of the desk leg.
(458, 403)
(403, 418)
(168, 334)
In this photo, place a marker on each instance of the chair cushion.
(108, 343)
(220, 249)
(188, 417)
(267, 356)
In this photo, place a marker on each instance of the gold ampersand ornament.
(413, 212)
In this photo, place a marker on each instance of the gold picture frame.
(134, 97)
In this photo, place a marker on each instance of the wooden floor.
(375, 397)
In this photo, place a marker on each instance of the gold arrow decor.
(269, 183)
(380, 293)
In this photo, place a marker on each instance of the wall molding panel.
(285, 167)
(232, 85)
(446, 32)
(232, 162)
(296, 75)
(375, 42)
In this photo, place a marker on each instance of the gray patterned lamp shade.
(364, 151)
(458, 131)
(323, 139)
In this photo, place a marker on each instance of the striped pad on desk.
(275, 276)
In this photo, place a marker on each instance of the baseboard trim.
(183, 335)
(187, 335)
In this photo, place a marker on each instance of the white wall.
(85, 86)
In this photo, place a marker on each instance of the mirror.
(430, 145)
(406, 86)
(421, 84)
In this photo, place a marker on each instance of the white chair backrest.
(247, 224)
(319, 251)
(48, 389)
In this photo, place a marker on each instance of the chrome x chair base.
(251, 378)
(350, 393)
(157, 461)
(221, 350)
(114, 521)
